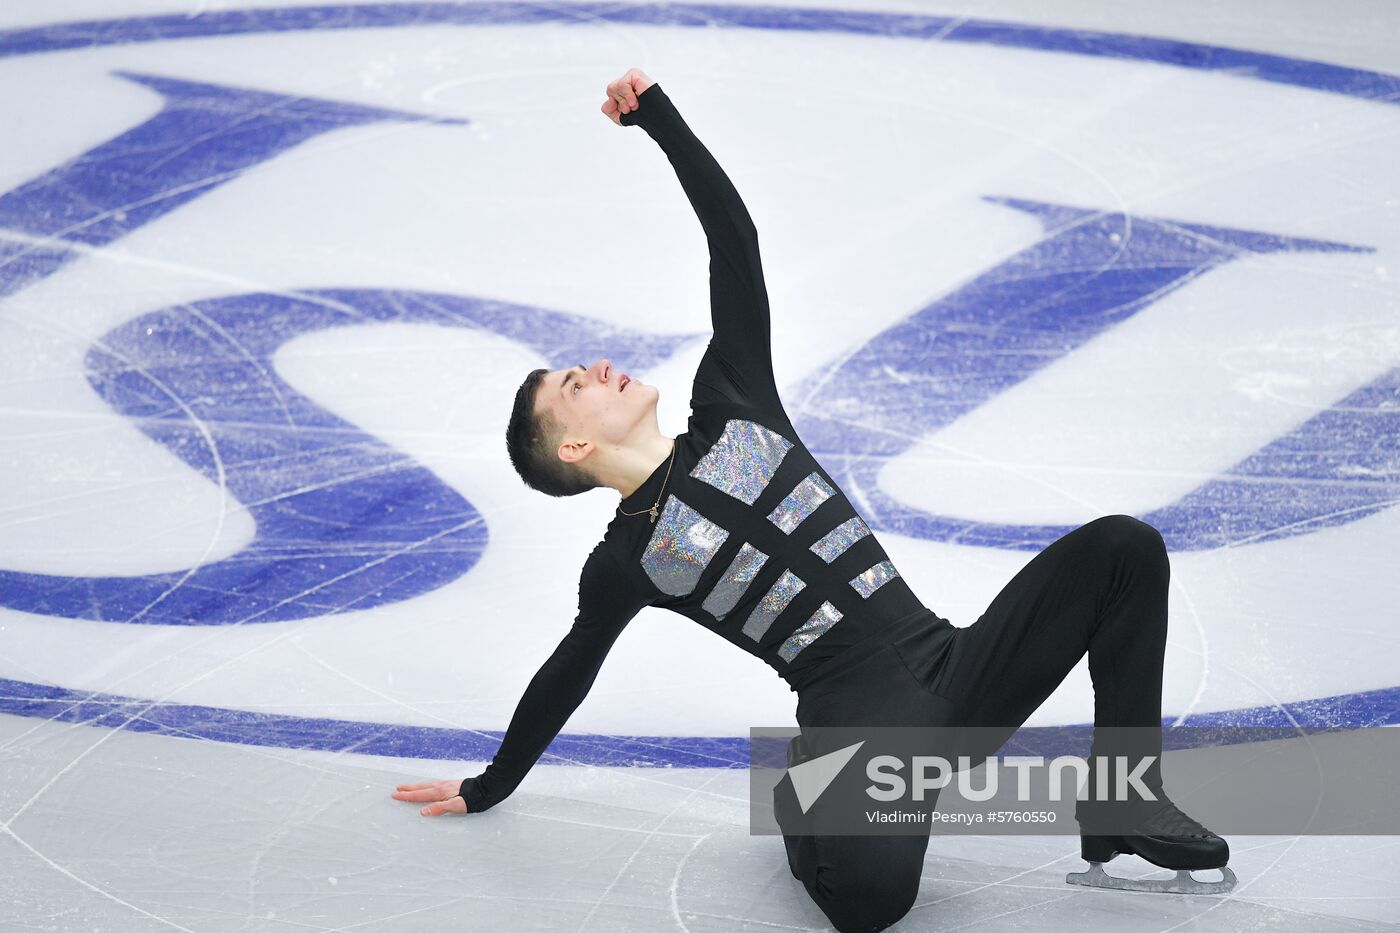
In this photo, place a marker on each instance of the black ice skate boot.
(1161, 834)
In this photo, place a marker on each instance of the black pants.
(1102, 588)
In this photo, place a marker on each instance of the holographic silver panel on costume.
(821, 620)
(680, 548)
(743, 460)
(874, 578)
(772, 604)
(735, 581)
(834, 543)
(801, 502)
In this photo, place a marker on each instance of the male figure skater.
(734, 524)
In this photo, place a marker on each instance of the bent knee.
(866, 904)
(1123, 536)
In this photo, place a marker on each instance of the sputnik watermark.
(1108, 779)
(1112, 777)
(857, 780)
(965, 819)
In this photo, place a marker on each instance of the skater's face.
(596, 406)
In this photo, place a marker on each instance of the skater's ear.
(572, 452)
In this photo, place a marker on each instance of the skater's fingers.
(610, 109)
(420, 796)
(427, 790)
(455, 805)
(626, 88)
(637, 82)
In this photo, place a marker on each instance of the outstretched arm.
(606, 604)
(738, 366)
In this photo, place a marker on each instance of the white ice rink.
(271, 272)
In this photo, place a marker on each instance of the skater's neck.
(628, 467)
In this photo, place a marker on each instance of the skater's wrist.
(476, 798)
(650, 105)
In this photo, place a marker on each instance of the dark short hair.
(532, 440)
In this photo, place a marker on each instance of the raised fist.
(622, 94)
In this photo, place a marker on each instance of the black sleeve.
(738, 365)
(607, 602)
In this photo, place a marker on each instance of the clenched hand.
(622, 94)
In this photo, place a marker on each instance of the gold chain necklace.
(662, 491)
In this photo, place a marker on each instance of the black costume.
(756, 542)
(753, 540)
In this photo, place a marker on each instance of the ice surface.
(256, 518)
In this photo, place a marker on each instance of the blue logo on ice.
(346, 522)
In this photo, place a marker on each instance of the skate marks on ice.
(211, 837)
(1335, 884)
(1092, 271)
(148, 831)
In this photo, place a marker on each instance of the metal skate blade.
(1183, 883)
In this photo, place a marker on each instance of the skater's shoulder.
(709, 420)
(606, 561)
(610, 573)
(612, 554)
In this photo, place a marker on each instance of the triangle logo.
(811, 778)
